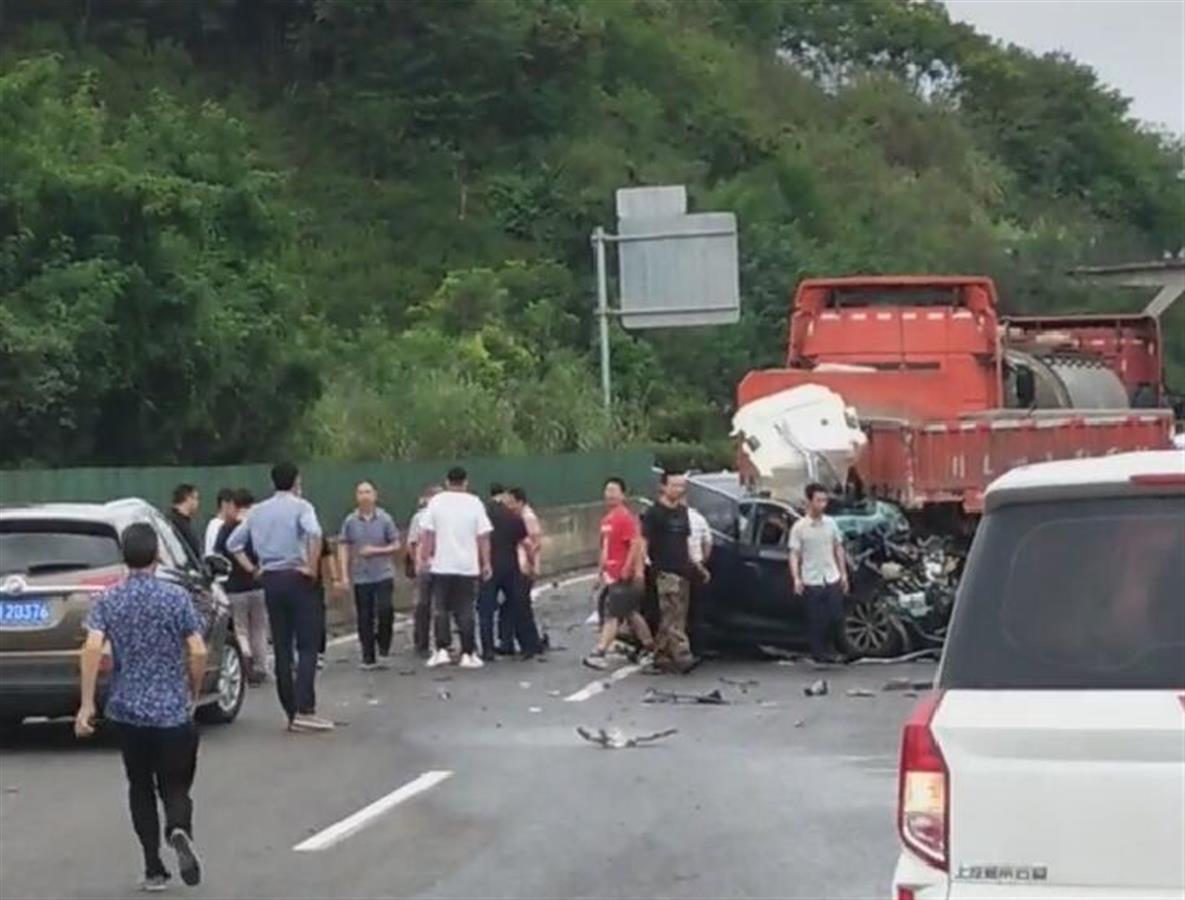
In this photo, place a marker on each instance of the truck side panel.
(954, 462)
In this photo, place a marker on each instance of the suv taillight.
(923, 795)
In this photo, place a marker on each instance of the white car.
(1049, 762)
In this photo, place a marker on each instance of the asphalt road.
(773, 795)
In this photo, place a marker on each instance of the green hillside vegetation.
(237, 228)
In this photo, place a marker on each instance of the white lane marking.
(594, 688)
(404, 623)
(352, 824)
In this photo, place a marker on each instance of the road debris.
(374, 701)
(554, 693)
(443, 678)
(798, 723)
(928, 653)
(524, 684)
(743, 683)
(710, 698)
(816, 688)
(442, 694)
(779, 654)
(405, 672)
(616, 740)
(769, 704)
(860, 692)
(907, 684)
(535, 709)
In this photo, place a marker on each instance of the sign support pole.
(598, 241)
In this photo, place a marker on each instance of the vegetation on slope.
(233, 228)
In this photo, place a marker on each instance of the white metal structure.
(1050, 760)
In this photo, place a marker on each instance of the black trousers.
(521, 624)
(422, 621)
(374, 605)
(502, 584)
(824, 616)
(293, 611)
(159, 762)
(453, 597)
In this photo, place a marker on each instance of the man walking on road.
(224, 513)
(186, 502)
(287, 539)
(455, 543)
(508, 532)
(160, 659)
(245, 593)
(621, 577)
(420, 576)
(819, 571)
(666, 529)
(366, 552)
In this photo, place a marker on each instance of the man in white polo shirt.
(455, 544)
(819, 571)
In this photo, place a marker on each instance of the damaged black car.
(902, 592)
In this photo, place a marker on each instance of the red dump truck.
(950, 394)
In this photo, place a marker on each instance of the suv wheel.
(872, 630)
(232, 687)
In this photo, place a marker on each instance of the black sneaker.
(188, 863)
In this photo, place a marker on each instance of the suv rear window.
(46, 547)
(1073, 594)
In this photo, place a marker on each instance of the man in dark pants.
(186, 503)
(666, 529)
(523, 626)
(455, 544)
(508, 532)
(160, 659)
(420, 576)
(287, 539)
(366, 558)
(819, 571)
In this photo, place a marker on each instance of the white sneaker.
(469, 661)
(439, 658)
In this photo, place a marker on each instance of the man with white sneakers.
(455, 546)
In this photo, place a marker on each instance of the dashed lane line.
(596, 687)
(352, 824)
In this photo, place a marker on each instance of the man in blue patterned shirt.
(159, 660)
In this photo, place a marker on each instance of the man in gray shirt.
(366, 557)
(286, 537)
(819, 571)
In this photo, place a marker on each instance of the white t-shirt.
(815, 541)
(457, 520)
(212, 529)
(701, 533)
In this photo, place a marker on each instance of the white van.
(1049, 762)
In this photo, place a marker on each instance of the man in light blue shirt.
(286, 537)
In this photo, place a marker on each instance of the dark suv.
(55, 560)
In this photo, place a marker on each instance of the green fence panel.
(552, 480)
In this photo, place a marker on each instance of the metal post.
(598, 240)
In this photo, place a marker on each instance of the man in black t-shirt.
(666, 530)
(509, 531)
(245, 592)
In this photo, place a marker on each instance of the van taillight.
(923, 797)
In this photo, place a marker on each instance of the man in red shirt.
(622, 575)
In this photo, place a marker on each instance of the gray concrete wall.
(571, 539)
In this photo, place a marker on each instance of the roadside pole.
(598, 241)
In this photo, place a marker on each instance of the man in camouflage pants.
(666, 529)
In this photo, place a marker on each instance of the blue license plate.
(24, 613)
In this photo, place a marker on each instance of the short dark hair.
(226, 495)
(242, 498)
(617, 480)
(183, 492)
(139, 545)
(456, 475)
(284, 476)
(518, 494)
(496, 488)
(814, 488)
(367, 481)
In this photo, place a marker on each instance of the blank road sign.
(678, 270)
(649, 202)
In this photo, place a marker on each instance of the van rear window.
(1073, 594)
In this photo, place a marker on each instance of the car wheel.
(871, 629)
(232, 688)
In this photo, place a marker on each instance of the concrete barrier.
(571, 540)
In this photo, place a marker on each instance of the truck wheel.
(871, 629)
(232, 687)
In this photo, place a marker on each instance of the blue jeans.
(824, 617)
(294, 613)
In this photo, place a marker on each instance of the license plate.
(24, 614)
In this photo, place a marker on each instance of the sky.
(1135, 46)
